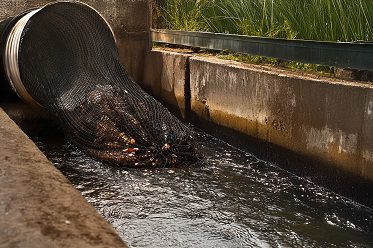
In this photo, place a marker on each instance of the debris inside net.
(68, 63)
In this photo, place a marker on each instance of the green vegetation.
(330, 20)
(260, 60)
(252, 59)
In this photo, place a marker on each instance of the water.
(236, 200)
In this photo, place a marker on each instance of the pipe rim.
(12, 45)
(11, 59)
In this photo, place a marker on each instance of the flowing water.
(235, 200)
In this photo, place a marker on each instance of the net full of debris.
(63, 57)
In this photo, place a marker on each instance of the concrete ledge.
(38, 205)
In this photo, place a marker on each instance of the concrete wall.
(130, 20)
(166, 76)
(38, 205)
(325, 119)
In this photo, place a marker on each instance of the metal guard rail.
(340, 54)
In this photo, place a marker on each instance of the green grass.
(260, 60)
(252, 59)
(329, 20)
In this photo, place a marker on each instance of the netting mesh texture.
(69, 64)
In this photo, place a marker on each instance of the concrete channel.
(319, 118)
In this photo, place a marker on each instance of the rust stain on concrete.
(317, 117)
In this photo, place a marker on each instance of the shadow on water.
(235, 200)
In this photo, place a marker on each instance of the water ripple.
(236, 200)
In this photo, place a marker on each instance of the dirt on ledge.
(38, 205)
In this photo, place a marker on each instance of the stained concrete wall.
(130, 20)
(326, 119)
(38, 205)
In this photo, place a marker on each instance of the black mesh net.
(69, 64)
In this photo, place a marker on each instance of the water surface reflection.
(235, 200)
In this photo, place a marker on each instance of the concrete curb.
(38, 205)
